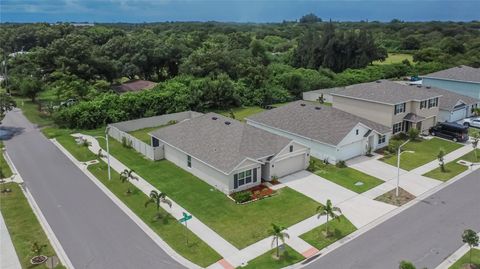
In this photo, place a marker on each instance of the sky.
(235, 10)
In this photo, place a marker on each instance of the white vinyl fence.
(120, 131)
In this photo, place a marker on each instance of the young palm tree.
(475, 139)
(278, 234)
(127, 175)
(441, 161)
(157, 198)
(329, 211)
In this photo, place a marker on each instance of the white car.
(471, 122)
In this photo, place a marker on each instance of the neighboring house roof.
(221, 142)
(461, 73)
(326, 91)
(321, 123)
(449, 99)
(385, 91)
(134, 86)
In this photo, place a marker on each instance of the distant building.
(134, 86)
(462, 79)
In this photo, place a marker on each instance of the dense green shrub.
(242, 196)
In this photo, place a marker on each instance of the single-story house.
(462, 79)
(315, 95)
(134, 86)
(228, 154)
(331, 134)
(453, 106)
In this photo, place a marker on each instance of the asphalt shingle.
(321, 123)
(462, 73)
(220, 141)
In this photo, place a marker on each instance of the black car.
(450, 130)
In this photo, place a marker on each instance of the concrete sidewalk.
(448, 158)
(210, 237)
(9, 258)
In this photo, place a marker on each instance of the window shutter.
(255, 175)
(235, 181)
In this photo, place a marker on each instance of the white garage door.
(458, 115)
(289, 165)
(351, 150)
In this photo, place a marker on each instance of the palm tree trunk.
(326, 227)
(278, 254)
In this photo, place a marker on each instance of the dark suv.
(450, 130)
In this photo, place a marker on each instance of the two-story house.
(391, 104)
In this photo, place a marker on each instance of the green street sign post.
(185, 218)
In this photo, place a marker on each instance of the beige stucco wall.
(376, 112)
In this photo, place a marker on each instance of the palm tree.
(157, 198)
(441, 160)
(329, 211)
(475, 139)
(127, 175)
(278, 234)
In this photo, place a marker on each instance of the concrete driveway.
(359, 209)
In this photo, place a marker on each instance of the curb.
(154, 236)
(41, 218)
(379, 221)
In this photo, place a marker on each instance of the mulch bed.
(390, 197)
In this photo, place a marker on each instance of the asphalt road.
(425, 234)
(93, 231)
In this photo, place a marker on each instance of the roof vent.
(214, 118)
(227, 123)
(378, 81)
(428, 87)
(302, 104)
(419, 86)
(318, 108)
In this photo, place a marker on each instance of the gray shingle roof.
(328, 125)
(218, 144)
(385, 91)
(327, 90)
(450, 99)
(462, 72)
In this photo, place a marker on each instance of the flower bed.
(253, 194)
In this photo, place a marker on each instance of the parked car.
(471, 122)
(450, 130)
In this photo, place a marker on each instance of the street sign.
(185, 217)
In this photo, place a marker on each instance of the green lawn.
(4, 167)
(30, 110)
(346, 177)
(213, 207)
(168, 228)
(453, 168)
(466, 259)
(425, 151)
(241, 112)
(267, 261)
(142, 134)
(472, 131)
(337, 230)
(23, 226)
(394, 58)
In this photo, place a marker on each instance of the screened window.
(423, 104)
(189, 161)
(291, 148)
(432, 102)
(400, 108)
(356, 132)
(397, 127)
(245, 177)
(381, 139)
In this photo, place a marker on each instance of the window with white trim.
(291, 148)
(244, 178)
(423, 104)
(400, 108)
(432, 102)
(382, 139)
(356, 132)
(397, 127)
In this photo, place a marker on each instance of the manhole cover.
(52, 262)
(358, 183)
